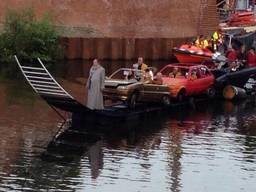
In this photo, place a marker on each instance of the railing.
(42, 81)
(49, 89)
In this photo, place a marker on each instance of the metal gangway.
(49, 89)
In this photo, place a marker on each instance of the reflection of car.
(188, 80)
(127, 85)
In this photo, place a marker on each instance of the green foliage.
(28, 38)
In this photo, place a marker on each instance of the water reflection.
(208, 147)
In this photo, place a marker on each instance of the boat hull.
(192, 54)
(238, 78)
(191, 58)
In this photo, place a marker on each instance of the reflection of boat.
(192, 54)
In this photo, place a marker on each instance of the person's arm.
(102, 83)
(87, 82)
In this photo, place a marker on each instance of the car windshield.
(126, 74)
(175, 72)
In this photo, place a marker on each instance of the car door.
(195, 82)
(207, 79)
(151, 92)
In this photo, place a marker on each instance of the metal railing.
(42, 81)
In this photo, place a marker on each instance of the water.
(211, 147)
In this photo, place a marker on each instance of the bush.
(28, 38)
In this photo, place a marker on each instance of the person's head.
(242, 48)
(252, 49)
(201, 37)
(96, 62)
(159, 76)
(140, 60)
(230, 48)
(175, 69)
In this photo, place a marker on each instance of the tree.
(29, 38)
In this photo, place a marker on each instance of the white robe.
(95, 85)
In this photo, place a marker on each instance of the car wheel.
(181, 96)
(166, 100)
(133, 100)
(211, 92)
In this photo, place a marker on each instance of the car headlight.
(122, 87)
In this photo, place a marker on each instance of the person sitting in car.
(175, 73)
(129, 75)
(158, 79)
(193, 75)
(148, 76)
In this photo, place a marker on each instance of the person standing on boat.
(140, 65)
(217, 39)
(95, 86)
(201, 42)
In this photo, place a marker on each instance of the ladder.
(49, 89)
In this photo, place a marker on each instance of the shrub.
(28, 38)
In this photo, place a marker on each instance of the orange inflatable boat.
(192, 54)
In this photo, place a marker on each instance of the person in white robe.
(95, 86)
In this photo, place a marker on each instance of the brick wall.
(123, 28)
(120, 48)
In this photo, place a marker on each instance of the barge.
(60, 100)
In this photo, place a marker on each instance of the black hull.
(238, 78)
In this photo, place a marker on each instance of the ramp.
(49, 89)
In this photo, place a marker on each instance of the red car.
(188, 80)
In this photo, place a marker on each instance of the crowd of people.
(95, 82)
(236, 55)
(141, 71)
(241, 57)
(211, 42)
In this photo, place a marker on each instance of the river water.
(205, 148)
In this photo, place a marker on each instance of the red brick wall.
(117, 48)
(124, 29)
(125, 18)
